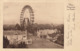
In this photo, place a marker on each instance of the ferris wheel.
(23, 18)
(27, 22)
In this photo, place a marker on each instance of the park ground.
(36, 41)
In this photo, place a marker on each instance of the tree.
(5, 42)
(17, 26)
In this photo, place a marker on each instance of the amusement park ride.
(25, 23)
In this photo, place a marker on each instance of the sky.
(44, 12)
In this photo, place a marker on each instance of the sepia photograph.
(33, 25)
